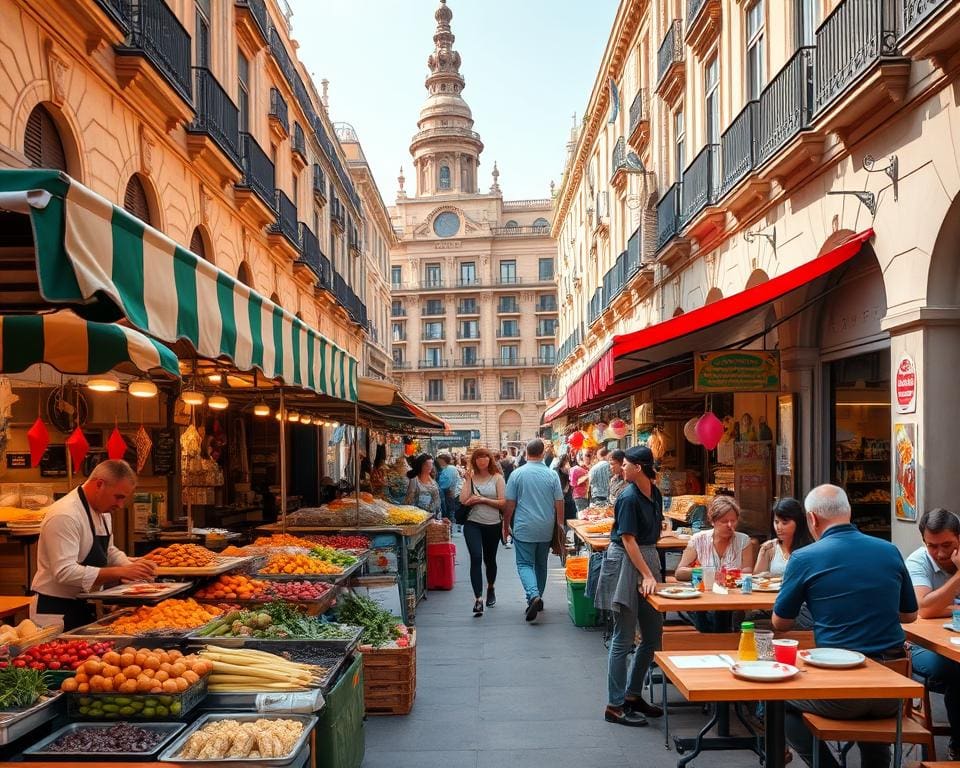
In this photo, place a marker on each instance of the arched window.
(198, 246)
(511, 224)
(135, 199)
(244, 275)
(41, 141)
(444, 177)
(541, 223)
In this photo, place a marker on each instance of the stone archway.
(713, 295)
(509, 425)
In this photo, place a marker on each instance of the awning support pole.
(356, 457)
(283, 463)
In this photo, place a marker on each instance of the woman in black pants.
(483, 492)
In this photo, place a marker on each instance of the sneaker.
(491, 597)
(533, 608)
(459, 529)
(478, 608)
(624, 716)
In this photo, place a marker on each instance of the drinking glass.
(764, 639)
(709, 576)
(785, 651)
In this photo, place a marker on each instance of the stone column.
(798, 366)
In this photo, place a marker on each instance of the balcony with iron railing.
(338, 214)
(399, 336)
(930, 29)
(510, 394)
(508, 333)
(286, 221)
(546, 304)
(398, 312)
(618, 162)
(340, 289)
(468, 334)
(521, 231)
(467, 282)
(353, 240)
(258, 171)
(545, 360)
(470, 396)
(508, 362)
(509, 280)
(433, 335)
(508, 306)
(699, 188)
(319, 184)
(468, 308)
(470, 362)
(668, 216)
(116, 11)
(434, 397)
(547, 329)
(431, 309)
(640, 120)
(786, 106)
(254, 12)
(402, 365)
(738, 147)
(595, 307)
(432, 283)
(634, 256)
(280, 56)
(216, 118)
(312, 257)
(433, 363)
(671, 70)
(279, 114)
(298, 143)
(703, 24)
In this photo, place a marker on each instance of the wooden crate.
(390, 679)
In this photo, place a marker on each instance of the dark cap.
(640, 455)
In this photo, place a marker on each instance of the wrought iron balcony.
(639, 111)
(541, 360)
(508, 362)
(286, 223)
(670, 52)
(694, 7)
(786, 104)
(463, 335)
(699, 189)
(475, 362)
(434, 309)
(312, 255)
(117, 11)
(854, 37)
(399, 336)
(398, 312)
(278, 110)
(155, 32)
(468, 308)
(595, 308)
(258, 12)
(216, 115)
(433, 335)
(401, 365)
(353, 239)
(258, 171)
(433, 364)
(510, 394)
(668, 215)
(319, 183)
(467, 282)
(547, 304)
(917, 12)
(738, 146)
(634, 258)
(434, 397)
(508, 307)
(299, 142)
(279, 52)
(508, 333)
(548, 329)
(618, 161)
(509, 280)
(431, 283)
(338, 214)
(340, 289)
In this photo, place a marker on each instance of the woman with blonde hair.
(484, 493)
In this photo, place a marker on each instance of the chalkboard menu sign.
(164, 451)
(54, 461)
(18, 461)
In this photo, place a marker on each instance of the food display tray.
(331, 577)
(122, 593)
(98, 630)
(297, 756)
(221, 565)
(42, 748)
(341, 645)
(313, 607)
(186, 701)
(13, 725)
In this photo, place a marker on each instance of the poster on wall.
(905, 498)
(754, 485)
(905, 385)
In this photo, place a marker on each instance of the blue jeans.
(532, 566)
(621, 641)
(941, 676)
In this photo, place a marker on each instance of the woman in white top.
(722, 547)
(790, 527)
(484, 492)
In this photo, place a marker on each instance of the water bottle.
(746, 586)
(956, 614)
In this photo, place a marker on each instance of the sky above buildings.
(528, 64)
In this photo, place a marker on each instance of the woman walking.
(483, 492)
(569, 508)
(631, 568)
(423, 491)
(579, 480)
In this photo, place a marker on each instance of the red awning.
(714, 326)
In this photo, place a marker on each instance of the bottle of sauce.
(748, 642)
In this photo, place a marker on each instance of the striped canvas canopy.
(76, 346)
(108, 265)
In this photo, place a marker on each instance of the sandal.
(478, 608)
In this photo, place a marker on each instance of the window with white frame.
(755, 64)
(679, 150)
(807, 15)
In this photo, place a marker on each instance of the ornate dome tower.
(446, 150)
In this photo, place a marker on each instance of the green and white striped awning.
(107, 264)
(76, 346)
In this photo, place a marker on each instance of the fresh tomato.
(19, 663)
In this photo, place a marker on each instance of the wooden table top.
(710, 601)
(10, 605)
(871, 681)
(931, 634)
(598, 544)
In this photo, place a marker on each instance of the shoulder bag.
(463, 511)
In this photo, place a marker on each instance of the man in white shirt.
(76, 552)
(600, 479)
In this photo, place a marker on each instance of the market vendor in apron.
(76, 552)
(630, 571)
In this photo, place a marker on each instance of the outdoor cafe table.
(724, 605)
(599, 543)
(870, 681)
(932, 635)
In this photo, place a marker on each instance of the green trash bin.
(340, 741)
(580, 607)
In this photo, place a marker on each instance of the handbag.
(462, 511)
(558, 545)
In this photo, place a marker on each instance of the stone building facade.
(473, 282)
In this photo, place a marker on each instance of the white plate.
(763, 671)
(679, 593)
(770, 588)
(832, 658)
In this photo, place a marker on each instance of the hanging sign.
(737, 370)
(905, 385)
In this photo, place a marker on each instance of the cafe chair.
(925, 711)
(873, 731)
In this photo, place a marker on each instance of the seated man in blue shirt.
(858, 591)
(936, 582)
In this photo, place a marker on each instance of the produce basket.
(169, 755)
(42, 749)
(48, 632)
(155, 707)
(390, 678)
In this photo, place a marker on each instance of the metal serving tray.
(42, 747)
(345, 645)
(332, 577)
(98, 631)
(169, 755)
(13, 725)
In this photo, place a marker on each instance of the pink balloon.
(709, 429)
(690, 431)
(618, 428)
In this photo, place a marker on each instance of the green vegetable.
(379, 626)
(20, 687)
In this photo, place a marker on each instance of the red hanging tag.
(39, 438)
(116, 445)
(79, 447)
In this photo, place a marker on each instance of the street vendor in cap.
(76, 552)
(631, 571)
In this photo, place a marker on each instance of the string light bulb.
(293, 416)
(142, 388)
(193, 397)
(218, 403)
(105, 383)
(261, 409)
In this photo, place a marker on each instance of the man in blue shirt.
(858, 591)
(935, 571)
(534, 507)
(447, 481)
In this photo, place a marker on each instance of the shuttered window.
(196, 244)
(135, 200)
(41, 141)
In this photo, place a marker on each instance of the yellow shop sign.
(737, 370)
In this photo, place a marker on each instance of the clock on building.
(446, 224)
